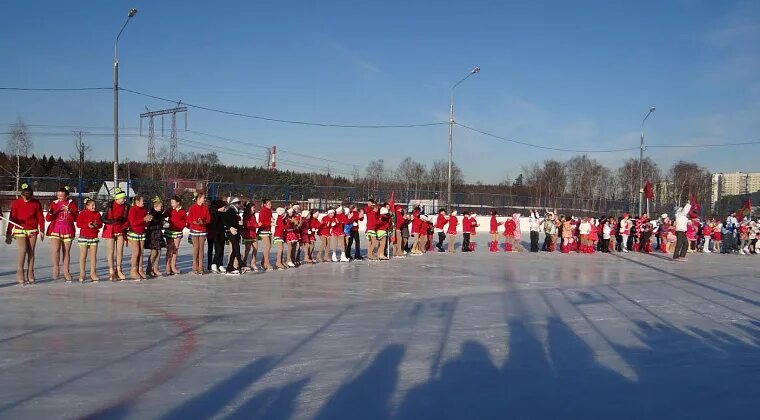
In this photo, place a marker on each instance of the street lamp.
(451, 128)
(641, 159)
(130, 15)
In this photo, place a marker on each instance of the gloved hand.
(233, 231)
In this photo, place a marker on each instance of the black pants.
(353, 240)
(547, 242)
(441, 238)
(681, 245)
(209, 250)
(605, 244)
(216, 249)
(533, 241)
(465, 242)
(235, 253)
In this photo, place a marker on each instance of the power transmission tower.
(172, 138)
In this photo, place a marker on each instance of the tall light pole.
(130, 15)
(641, 159)
(451, 128)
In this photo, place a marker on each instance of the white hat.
(234, 200)
(331, 211)
(339, 210)
(305, 213)
(383, 210)
(290, 211)
(296, 207)
(664, 216)
(280, 211)
(454, 213)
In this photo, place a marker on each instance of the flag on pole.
(746, 207)
(696, 208)
(648, 191)
(392, 203)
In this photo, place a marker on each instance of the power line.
(228, 139)
(702, 145)
(284, 121)
(54, 89)
(558, 149)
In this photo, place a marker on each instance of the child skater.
(493, 246)
(336, 233)
(510, 226)
(232, 224)
(304, 236)
(62, 213)
(154, 236)
(249, 235)
(518, 234)
(315, 225)
(451, 231)
(291, 236)
(382, 227)
(25, 222)
(115, 233)
(265, 232)
(89, 222)
(177, 218)
(279, 236)
(198, 217)
(324, 236)
(138, 219)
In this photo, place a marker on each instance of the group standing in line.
(302, 236)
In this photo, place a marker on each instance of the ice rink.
(463, 336)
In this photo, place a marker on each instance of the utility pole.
(81, 148)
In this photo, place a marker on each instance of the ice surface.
(478, 336)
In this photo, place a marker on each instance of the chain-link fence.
(322, 197)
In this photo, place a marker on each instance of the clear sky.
(571, 74)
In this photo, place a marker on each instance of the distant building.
(734, 183)
(178, 186)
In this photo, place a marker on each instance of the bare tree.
(628, 177)
(375, 174)
(19, 144)
(405, 172)
(687, 178)
(439, 174)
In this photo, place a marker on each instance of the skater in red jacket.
(89, 223)
(62, 214)
(493, 246)
(198, 217)
(451, 232)
(177, 218)
(115, 233)
(25, 223)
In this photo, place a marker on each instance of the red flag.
(392, 203)
(696, 208)
(648, 190)
(746, 207)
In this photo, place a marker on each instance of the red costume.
(198, 213)
(61, 221)
(83, 222)
(28, 214)
(265, 220)
(136, 219)
(453, 223)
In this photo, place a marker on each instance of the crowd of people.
(306, 236)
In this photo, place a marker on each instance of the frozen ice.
(441, 336)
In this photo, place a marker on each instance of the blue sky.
(566, 74)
